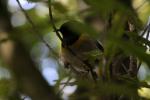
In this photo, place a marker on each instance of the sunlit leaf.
(59, 7)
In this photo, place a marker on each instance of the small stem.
(66, 83)
(140, 5)
(52, 21)
(139, 65)
(147, 28)
(34, 28)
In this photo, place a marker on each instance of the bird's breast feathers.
(85, 50)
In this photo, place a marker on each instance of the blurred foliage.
(7, 88)
(115, 16)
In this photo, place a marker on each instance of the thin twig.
(147, 29)
(52, 21)
(139, 65)
(144, 31)
(141, 5)
(35, 29)
(57, 33)
(148, 32)
(66, 83)
(124, 67)
(147, 36)
(69, 83)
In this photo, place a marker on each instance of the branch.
(147, 27)
(52, 21)
(67, 82)
(141, 5)
(37, 33)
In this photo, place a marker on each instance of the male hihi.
(81, 62)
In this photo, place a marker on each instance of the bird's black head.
(70, 32)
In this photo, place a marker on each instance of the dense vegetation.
(30, 64)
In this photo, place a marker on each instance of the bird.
(79, 52)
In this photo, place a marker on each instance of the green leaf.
(5, 87)
(93, 55)
(59, 7)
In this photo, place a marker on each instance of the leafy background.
(48, 62)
